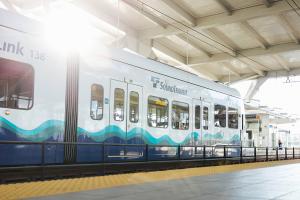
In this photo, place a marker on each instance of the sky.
(276, 93)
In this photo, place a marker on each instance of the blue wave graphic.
(216, 136)
(54, 129)
(115, 131)
(48, 130)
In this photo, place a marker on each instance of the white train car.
(107, 96)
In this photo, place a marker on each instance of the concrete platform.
(276, 183)
(262, 180)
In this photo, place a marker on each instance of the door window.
(119, 104)
(96, 108)
(134, 107)
(197, 117)
(205, 118)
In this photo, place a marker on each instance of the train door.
(126, 111)
(206, 127)
(197, 133)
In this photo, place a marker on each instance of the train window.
(158, 111)
(16, 85)
(180, 115)
(197, 117)
(96, 109)
(134, 107)
(233, 118)
(119, 104)
(205, 118)
(220, 116)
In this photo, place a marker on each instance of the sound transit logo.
(163, 85)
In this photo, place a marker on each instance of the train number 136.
(37, 55)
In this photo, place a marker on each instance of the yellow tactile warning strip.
(54, 187)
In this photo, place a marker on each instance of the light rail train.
(107, 96)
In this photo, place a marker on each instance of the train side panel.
(111, 76)
(32, 98)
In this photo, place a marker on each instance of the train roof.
(29, 26)
(169, 70)
(19, 22)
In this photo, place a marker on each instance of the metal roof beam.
(253, 34)
(146, 14)
(170, 53)
(224, 43)
(271, 74)
(206, 74)
(9, 5)
(181, 60)
(221, 19)
(291, 31)
(230, 69)
(93, 9)
(254, 87)
(283, 73)
(282, 62)
(180, 11)
(193, 44)
(252, 67)
(244, 77)
(275, 49)
(267, 3)
(224, 5)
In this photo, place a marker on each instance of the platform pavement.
(272, 180)
(277, 183)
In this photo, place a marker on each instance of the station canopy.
(222, 40)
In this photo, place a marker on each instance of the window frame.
(220, 126)
(124, 98)
(237, 113)
(188, 106)
(138, 106)
(203, 124)
(33, 84)
(168, 113)
(102, 101)
(200, 110)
